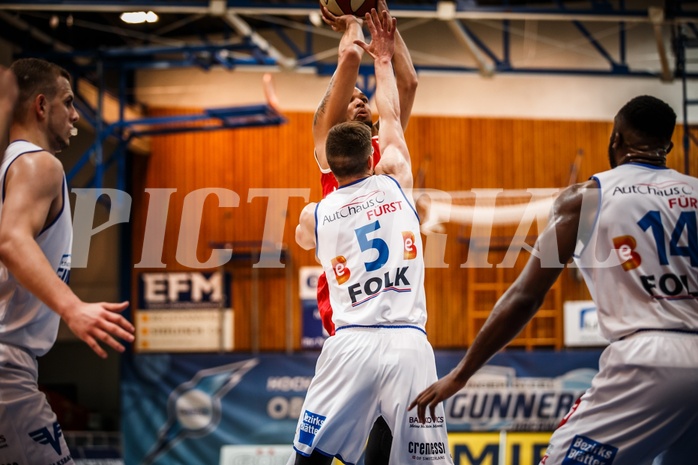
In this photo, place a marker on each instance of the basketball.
(349, 7)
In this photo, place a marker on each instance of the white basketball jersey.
(641, 262)
(25, 321)
(368, 242)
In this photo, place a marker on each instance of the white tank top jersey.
(25, 321)
(368, 242)
(641, 262)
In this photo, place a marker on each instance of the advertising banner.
(582, 324)
(180, 408)
(183, 312)
(314, 334)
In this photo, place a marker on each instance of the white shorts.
(642, 405)
(29, 431)
(363, 373)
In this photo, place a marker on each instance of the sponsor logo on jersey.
(309, 427)
(63, 460)
(384, 209)
(356, 205)
(429, 422)
(341, 272)
(44, 437)
(587, 451)
(426, 448)
(410, 249)
(683, 202)
(63, 271)
(363, 292)
(625, 248)
(665, 189)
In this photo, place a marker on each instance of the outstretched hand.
(96, 323)
(382, 28)
(8, 84)
(435, 394)
(338, 23)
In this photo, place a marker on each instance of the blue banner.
(185, 408)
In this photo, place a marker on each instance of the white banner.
(582, 324)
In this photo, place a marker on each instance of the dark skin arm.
(8, 96)
(521, 301)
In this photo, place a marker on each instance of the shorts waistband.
(662, 330)
(380, 327)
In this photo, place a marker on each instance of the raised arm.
(30, 206)
(405, 74)
(395, 158)
(8, 97)
(305, 230)
(333, 107)
(520, 302)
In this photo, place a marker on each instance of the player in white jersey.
(35, 251)
(632, 231)
(366, 235)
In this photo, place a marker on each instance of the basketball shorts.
(641, 408)
(29, 431)
(363, 373)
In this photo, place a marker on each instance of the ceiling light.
(138, 17)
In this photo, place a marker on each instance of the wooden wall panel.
(455, 154)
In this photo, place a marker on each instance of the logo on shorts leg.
(43, 436)
(309, 427)
(584, 450)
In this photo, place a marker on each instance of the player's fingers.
(361, 44)
(375, 17)
(369, 22)
(421, 408)
(112, 307)
(327, 13)
(118, 325)
(106, 338)
(90, 341)
(432, 408)
(120, 331)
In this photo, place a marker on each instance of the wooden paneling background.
(454, 154)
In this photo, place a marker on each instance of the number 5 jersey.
(368, 242)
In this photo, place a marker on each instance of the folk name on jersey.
(670, 285)
(395, 281)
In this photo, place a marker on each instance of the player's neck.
(34, 136)
(351, 179)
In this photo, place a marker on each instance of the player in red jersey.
(342, 102)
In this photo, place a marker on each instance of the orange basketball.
(349, 7)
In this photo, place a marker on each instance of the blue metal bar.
(506, 43)
(480, 44)
(287, 40)
(241, 124)
(621, 38)
(599, 48)
(99, 155)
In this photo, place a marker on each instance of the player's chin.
(364, 119)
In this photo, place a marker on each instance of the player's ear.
(669, 147)
(40, 104)
(616, 140)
